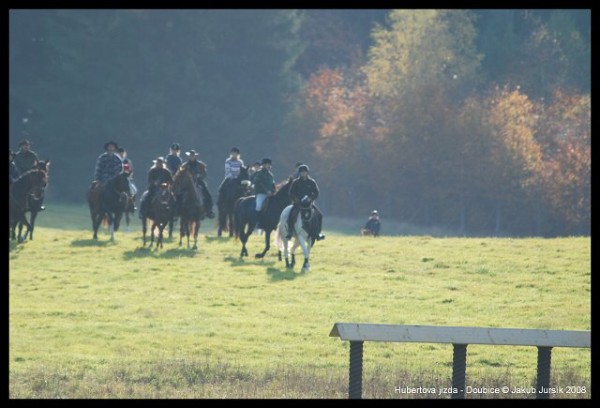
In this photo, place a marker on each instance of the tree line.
(474, 120)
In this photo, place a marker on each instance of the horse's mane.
(28, 173)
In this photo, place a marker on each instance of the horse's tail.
(278, 237)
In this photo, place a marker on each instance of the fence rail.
(460, 338)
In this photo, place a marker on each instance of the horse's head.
(182, 180)
(243, 174)
(38, 182)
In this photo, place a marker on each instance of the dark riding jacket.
(301, 187)
(25, 160)
(108, 166)
(373, 225)
(264, 182)
(173, 163)
(157, 176)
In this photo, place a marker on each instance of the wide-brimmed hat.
(191, 152)
(110, 143)
(159, 159)
(266, 160)
(24, 142)
(175, 146)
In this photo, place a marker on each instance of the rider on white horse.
(301, 187)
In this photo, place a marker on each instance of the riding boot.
(209, 203)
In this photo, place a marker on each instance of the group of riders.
(261, 181)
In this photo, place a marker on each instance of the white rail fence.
(460, 338)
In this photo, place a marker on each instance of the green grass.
(114, 320)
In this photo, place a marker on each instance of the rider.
(25, 159)
(198, 169)
(127, 168)
(157, 175)
(264, 184)
(173, 158)
(233, 164)
(13, 172)
(302, 186)
(373, 224)
(108, 164)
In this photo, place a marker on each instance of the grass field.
(101, 319)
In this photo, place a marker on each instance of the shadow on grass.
(144, 252)
(14, 245)
(239, 261)
(91, 242)
(278, 275)
(220, 240)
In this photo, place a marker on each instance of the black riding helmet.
(303, 167)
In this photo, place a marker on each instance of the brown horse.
(190, 205)
(161, 210)
(107, 203)
(28, 188)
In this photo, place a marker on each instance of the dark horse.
(107, 202)
(28, 186)
(190, 205)
(34, 203)
(229, 194)
(245, 217)
(161, 210)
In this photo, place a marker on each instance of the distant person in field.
(25, 159)
(173, 159)
(373, 225)
(13, 172)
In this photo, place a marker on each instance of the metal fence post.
(355, 375)
(543, 372)
(459, 370)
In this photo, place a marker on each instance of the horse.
(30, 185)
(161, 210)
(107, 203)
(306, 230)
(229, 194)
(245, 216)
(34, 204)
(129, 209)
(190, 206)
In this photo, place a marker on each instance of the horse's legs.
(306, 250)
(111, 226)
(23, 220)
(196, 229)
(144, 228)
(222, 221)
(96, 220)
(267, 244)
(152, 234)
(34, 214)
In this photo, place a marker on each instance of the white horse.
(300, 237)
